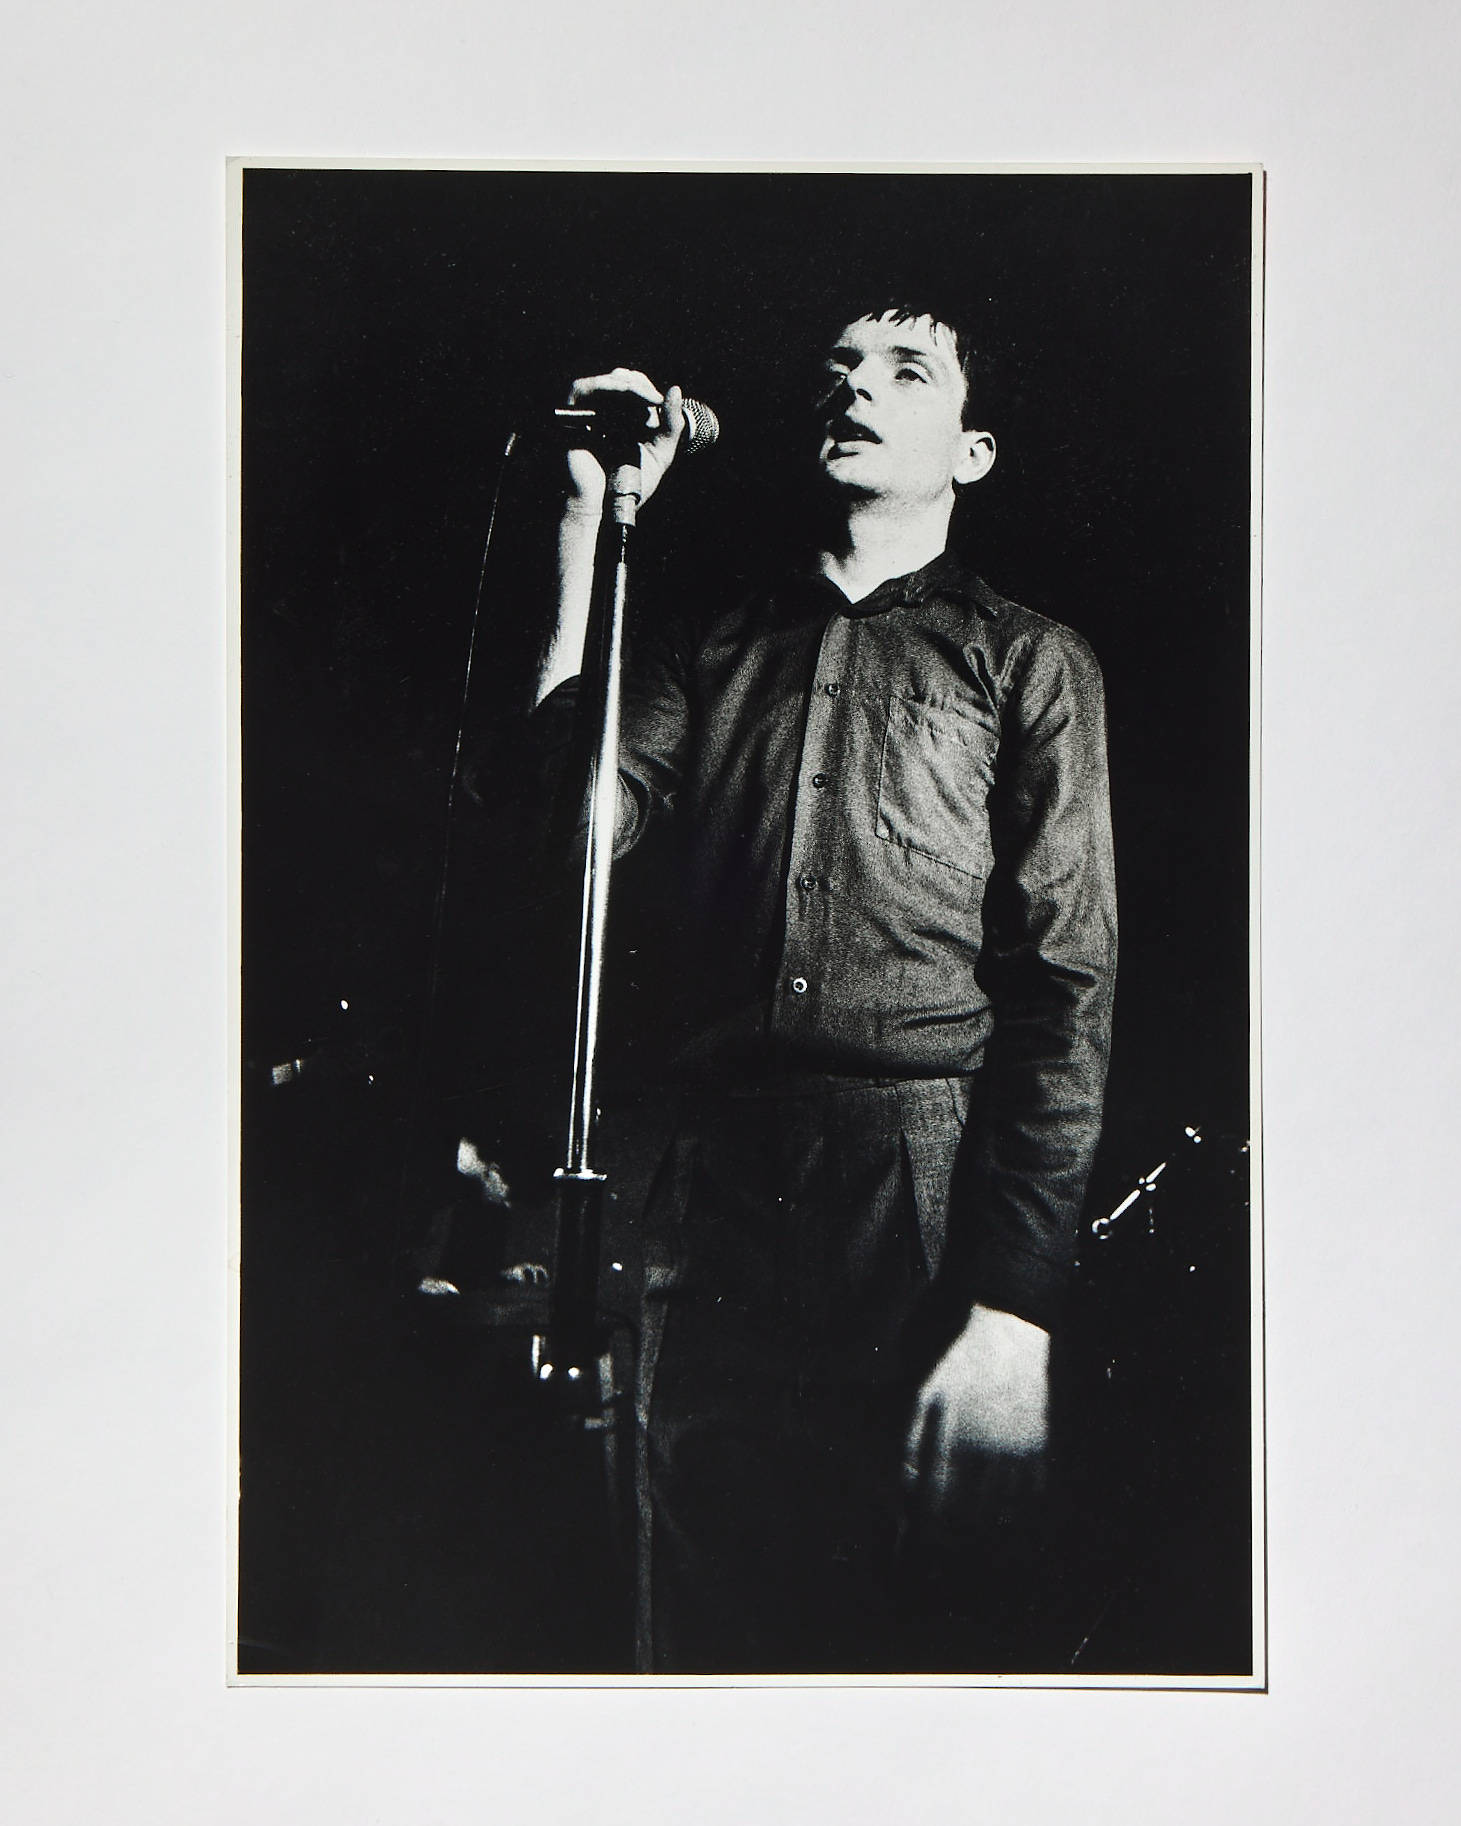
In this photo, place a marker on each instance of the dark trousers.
(789, 1323)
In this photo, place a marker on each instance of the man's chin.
(849, 470)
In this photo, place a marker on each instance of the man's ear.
(976, 459)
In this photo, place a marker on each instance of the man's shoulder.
(1017, 639)
(1015, 619)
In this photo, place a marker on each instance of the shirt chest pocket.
(933, 783)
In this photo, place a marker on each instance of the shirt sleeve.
(654, 734)
(1048, 966)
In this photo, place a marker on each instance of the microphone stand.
(575, 1349)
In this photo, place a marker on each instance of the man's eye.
(912, 374)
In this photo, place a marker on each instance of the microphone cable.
(438, 917)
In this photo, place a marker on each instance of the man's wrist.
(1013, 1332)
(579, 507)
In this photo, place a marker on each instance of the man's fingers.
(937, 1467)
(671, 417)
(921, 1443)
(912, 1447)
(617, 380)
(928, 1468)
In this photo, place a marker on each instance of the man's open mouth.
(849, 431)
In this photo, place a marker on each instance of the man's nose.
(846, 390)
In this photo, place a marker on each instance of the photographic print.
(749, 1139)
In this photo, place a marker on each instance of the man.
(887, 787)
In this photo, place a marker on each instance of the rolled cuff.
(1012, 1280)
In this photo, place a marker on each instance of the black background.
(400, 1507)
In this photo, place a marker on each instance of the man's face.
(893, 420)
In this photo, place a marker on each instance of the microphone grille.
(702, 427)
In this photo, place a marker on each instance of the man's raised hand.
(664, 425)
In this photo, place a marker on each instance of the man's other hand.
(664, 422)
(979, 1429)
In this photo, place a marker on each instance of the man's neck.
(882, 539)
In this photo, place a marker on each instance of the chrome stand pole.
(574, 1345)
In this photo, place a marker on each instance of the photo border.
(1257, 1682)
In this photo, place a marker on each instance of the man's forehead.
(923, 334)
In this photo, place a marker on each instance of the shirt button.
(798, 985)
(832, 689)
(819, 780)
(808, 882)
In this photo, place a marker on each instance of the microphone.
(702, 427)
(623, 415)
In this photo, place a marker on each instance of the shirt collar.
(945, 576)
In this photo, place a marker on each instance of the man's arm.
(583, 509)
(653, 714)
(1048, 965)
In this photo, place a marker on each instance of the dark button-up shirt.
(896, 860)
